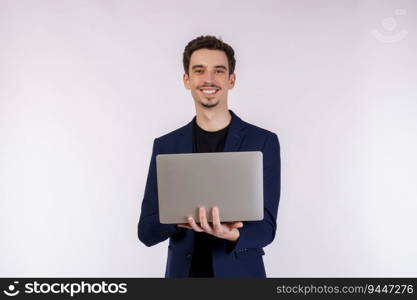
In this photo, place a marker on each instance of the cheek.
(195, 93)
(194, 84)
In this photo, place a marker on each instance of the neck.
(213, 120)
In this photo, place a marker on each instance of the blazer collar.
(233, 138)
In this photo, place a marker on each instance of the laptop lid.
(233, 181)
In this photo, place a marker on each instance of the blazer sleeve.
(150, 230)
(257, 234)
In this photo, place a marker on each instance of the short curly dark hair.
(212, 43)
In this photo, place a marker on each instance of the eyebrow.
(201, 66)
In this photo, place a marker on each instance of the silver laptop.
(233, 181)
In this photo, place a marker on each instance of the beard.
(210, 104)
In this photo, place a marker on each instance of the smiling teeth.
(209, 91)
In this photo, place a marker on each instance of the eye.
(198, 71)
(220, 71)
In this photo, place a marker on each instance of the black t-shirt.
(202, 262)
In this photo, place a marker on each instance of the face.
(208, 78)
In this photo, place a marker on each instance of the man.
(219, 249)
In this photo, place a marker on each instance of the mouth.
(209, 91)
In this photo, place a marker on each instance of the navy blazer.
(242, 258)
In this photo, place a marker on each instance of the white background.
(85, 87)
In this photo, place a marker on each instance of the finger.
(216, 219)
(203, 220)
(237, 225)
(194, 225)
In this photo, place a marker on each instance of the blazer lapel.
(235, 134)
(185, 144)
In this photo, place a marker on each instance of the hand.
(225, 230)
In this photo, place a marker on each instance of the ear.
(232, 80)
(186, 80)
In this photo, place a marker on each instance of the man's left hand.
(225, 230)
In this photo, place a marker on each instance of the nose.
(208, 78)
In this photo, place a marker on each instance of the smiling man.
(218, 249)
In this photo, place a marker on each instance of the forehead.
(207, 57)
